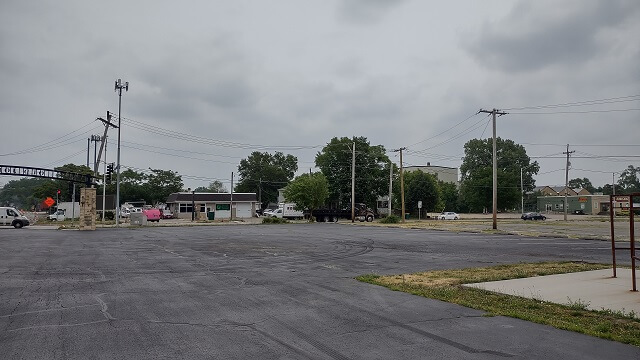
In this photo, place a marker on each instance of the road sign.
(420, 204)
(49, 202)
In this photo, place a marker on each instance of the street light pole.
(118, 87)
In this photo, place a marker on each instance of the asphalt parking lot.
(266, 292)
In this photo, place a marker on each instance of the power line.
(574, 112)
(209, 141)
(451, 128)
(471, 128)
(585, 145)
(581, 103)
(55, 143)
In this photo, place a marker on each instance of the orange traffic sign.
(49, 202)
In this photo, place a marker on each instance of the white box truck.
(287, 211)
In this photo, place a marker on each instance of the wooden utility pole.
(390, 186)
(107, 123)
(260, 193)
(494, 112)
(566, 182)
(401, 181)
(353, 183)
(521, 193)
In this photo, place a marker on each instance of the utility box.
(138, 219)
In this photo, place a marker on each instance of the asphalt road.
(265, 292)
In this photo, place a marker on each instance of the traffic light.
(58, 192)
(109, 172)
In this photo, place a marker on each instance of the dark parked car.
(533, 216)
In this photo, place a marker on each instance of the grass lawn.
(446, 285)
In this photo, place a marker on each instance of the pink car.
(152, 214)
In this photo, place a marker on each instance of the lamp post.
(118, 87)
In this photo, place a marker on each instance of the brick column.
(87, 209)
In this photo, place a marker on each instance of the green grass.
(446, 285)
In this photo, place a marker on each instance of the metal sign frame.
(16, 170)
(632, 243)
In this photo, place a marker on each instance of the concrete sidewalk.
(596, 289)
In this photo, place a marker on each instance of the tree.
(308, 191)
(50, 187)
(264, 174)
(20, 193)
(371, 170)
(420, 186)
(583, 183)
(160, 184)
(449, 196)
(477, 174)
(629, 181)
(131, 187)
(215, 186)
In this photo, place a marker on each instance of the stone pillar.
(87, 209)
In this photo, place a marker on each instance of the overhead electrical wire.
(438, 134)
(579, 103)
(209, 141)
(56, 143)
(573, 112)
(471, 128)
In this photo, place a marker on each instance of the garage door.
(243, 210)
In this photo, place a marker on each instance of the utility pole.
(401, 181)
(353, 184)
(73, 203)
(104, 175)
(260, 193)
(566, 182)
(88, 144)
(613, 183)
(231, 199)
(94, 140)
(107, 123)
(521, 193)
(118, 87)
(494, 112)
(390, 185)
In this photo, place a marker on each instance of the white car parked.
(449, 215)
(268, 213)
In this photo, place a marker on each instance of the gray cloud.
(539, 34)
(366, 11)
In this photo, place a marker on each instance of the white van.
(13, 217)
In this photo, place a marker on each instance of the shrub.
(391, 219)
(109, 215)
(274, 220)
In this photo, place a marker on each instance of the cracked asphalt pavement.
(265, 292)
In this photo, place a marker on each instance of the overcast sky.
(236, 76)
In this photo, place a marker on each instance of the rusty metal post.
(632, 242)
(613, 241)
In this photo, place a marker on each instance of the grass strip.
(446, 285)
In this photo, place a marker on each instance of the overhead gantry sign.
(47, 173)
